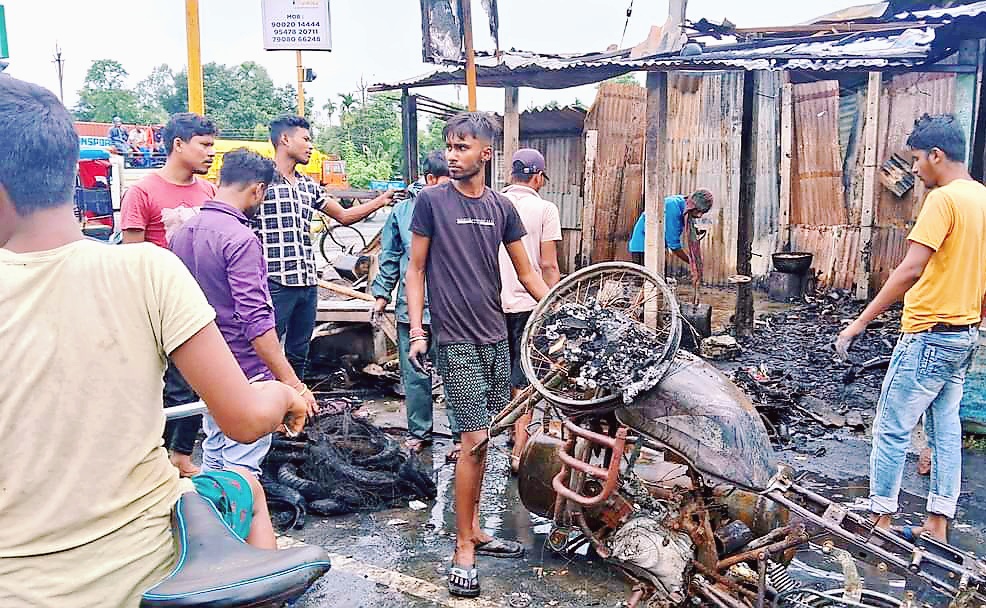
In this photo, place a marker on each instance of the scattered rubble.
(603, 348)
(790, 369)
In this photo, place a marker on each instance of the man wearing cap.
(541, 220)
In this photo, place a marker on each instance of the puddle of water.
(723, 302)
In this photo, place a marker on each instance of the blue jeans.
(926, 374)
(294, 313)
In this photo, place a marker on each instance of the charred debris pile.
(790, 369)
(604, 349)
(340, 464)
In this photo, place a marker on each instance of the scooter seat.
(217, 569)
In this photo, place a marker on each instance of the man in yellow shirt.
(86, 486)
(943, 282)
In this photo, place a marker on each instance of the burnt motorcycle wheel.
(622, 287)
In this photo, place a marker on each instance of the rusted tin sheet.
(817, 191)
(836, 251)
(906, 97)
(704, 128)
(618, 116)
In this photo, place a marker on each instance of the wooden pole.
(657, 179)
(743, 320)
(511, 128)
(787, 156)
(196, 92)
(864, 268)
(301, 84)
(470, 53)
(589, 198)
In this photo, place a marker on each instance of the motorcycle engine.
(660, 554)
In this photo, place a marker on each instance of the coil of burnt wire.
(341, 464)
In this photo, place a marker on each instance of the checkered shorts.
(477, 379)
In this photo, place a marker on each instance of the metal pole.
(301, 84)
(60, 63)
(470, 53)
(196, 93)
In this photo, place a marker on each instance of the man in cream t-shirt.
(87, 489)
(540, 218)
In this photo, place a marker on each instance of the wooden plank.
(657, 169)
(864, 268)
(743, 320)
(511, 128)
(787, 155)
(588, 197)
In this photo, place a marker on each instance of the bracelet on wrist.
(418, 339)
(417, 332)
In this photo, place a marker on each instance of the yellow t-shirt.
(953, 223)
(84, 333)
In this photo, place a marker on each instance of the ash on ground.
(603, 349)
(790, 369)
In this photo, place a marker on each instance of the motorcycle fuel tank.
(698, 412)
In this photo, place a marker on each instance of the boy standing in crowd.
(457, 231)
(151, 211)
(395, 254)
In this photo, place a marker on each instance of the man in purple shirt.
(224, 255)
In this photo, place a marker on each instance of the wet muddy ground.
(400, 557)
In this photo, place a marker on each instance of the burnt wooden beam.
(743, 319)
(864, 266)
(409, 136)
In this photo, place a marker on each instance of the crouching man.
(87, 329)
(457, 229)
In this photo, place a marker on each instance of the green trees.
(104, 94)
(239, 98)
(243, 99)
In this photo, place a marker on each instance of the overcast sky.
(376, 40)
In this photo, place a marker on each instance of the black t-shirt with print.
(463, 271)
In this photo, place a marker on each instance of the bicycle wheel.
(628, 295)
(347, 238)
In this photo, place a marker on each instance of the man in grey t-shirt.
(457, 229)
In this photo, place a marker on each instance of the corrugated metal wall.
(905, 98)
(618, 116)
(767, 206)
(704, 128)
(823, 128)
(564, 158)
(816, 186)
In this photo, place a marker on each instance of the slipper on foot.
(463, 581)
(498, 547)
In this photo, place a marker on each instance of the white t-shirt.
(85, 330)
(540, 218)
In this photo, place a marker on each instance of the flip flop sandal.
(463, 581)
(498, 547)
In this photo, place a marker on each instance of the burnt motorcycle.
(657, 461)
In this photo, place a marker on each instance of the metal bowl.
(794, 262)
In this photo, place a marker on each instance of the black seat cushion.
(216, 568)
